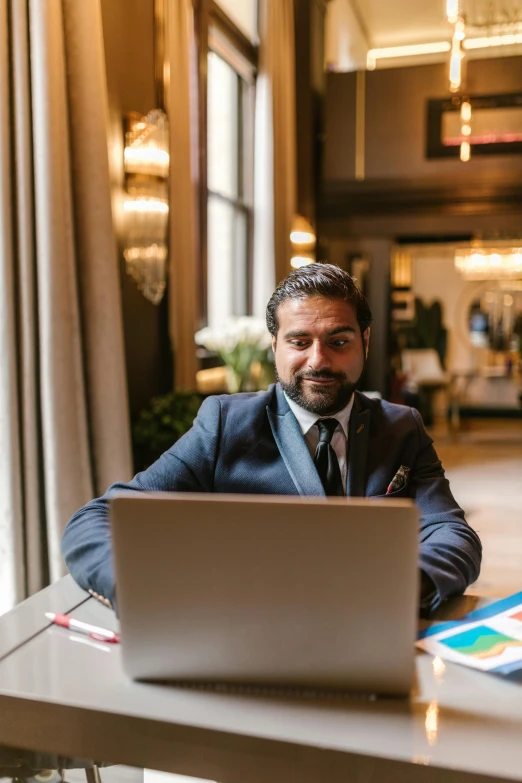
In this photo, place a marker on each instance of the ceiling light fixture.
(455, 65)
(391, 52)
(456, 16)
(465, 151)
(465, 131)
(465, 111)
(508, 39)
(490, 261)
(460, 30)
(452, 11)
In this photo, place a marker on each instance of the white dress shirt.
(307, 422)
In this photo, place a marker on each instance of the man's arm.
(188, 466)
(450, 550)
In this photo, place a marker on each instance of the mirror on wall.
(495, 318)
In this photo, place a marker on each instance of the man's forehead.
(333, 313)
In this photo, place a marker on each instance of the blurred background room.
(164, 163)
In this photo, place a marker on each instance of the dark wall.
(128, 31)
(395, 122)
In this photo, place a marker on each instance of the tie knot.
(327, 428)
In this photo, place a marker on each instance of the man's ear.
(274, 342)
(366, 340)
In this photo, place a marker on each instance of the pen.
(100, 634)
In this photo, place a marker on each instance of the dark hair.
(325, 280)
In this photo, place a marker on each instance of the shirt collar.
(306, 419)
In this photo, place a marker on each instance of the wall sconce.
(301, 259)
(302, 232)
(303, 240)
(146, 164)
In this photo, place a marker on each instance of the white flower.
(244, 330)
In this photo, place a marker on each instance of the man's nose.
(318, 356)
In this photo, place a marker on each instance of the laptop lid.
(267, 590)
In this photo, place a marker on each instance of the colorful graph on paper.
(481, 642)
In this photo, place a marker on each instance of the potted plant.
(160, 424)
(241, 343)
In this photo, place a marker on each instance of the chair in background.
(424, 375)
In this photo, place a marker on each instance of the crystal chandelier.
(490, 261)
(478, 24)
(146, 208)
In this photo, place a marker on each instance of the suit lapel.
(359, 435)
(292, 446)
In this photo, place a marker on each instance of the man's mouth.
(321, 381)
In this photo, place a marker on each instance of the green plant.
(160, 424)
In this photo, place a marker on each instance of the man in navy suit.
(311, 433)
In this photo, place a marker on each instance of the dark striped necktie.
(326, 460)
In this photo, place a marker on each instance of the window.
(243, 13)
(230, 164)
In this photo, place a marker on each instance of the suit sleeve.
(188, 466)
(450, 550)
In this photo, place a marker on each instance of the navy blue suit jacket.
(252, 444)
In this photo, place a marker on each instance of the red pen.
(100, 634)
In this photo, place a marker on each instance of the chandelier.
(490, 261)
(478, 24)
(146, 208)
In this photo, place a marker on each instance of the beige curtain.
(64, 424)
(275, 149)
(180, 99)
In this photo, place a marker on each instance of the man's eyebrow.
(343, 329)
(293, 334)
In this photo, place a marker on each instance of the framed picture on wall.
(490, 124)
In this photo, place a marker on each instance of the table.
(66, 694)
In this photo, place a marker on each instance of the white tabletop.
(63, 693)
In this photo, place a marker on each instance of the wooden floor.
(484, 465)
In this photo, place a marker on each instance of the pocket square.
(399, 480)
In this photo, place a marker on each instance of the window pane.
(223, 126)
(243, 13)
(227, 261)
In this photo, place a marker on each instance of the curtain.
(275, 149)
(64, 423)
(180, 99)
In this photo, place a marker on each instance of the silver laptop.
(267, 590)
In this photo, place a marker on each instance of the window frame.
(216, 32)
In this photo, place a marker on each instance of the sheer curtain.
(180, 97)
(275, 149)
(64, 424)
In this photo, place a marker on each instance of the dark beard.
(326, 401)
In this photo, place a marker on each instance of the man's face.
(319, 352)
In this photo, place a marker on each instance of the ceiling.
(400, 22)
(356, 26)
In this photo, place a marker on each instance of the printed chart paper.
(489, 639)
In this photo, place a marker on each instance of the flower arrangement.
(240, 342)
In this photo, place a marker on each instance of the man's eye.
(339, 343)
(298, 343)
